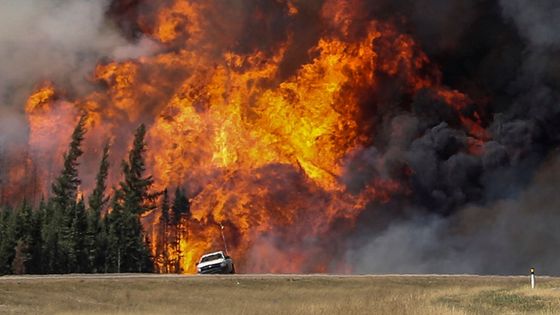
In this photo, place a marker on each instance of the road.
(241, 276)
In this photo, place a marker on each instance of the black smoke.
(478, 213)
(463, 212)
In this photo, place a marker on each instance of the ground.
(278, 294)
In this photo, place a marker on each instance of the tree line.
(68, 234)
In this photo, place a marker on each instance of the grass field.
(282, 294)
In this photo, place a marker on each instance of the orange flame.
(259, 153)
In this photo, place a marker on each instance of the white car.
(215, 262)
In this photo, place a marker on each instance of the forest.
(69, 232)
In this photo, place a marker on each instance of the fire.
(50, 121)
(260, 153)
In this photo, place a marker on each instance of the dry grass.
(279, 295)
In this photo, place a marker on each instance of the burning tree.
(261, 148)
(127, 251)
(64, 210)
(299, 126)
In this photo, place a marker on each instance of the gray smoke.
(491, 213)
(536, 20)
(506, 237)
(58, 40)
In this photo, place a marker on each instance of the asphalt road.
(250, 276)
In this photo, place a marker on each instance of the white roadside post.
(532, 278)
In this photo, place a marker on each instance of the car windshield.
(211, 257)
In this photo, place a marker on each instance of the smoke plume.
(489, 213)
(400, 135)
(56, 40)
(502, 238)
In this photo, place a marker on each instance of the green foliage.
(98, 199)
(96, 234)
(127, 251)
(62, 235)
(78, 256)
(127, 248)
(35, 264)
(95, 242)
(65, 187)
(7, 240)
(136, 196)
(21, 257)
(20, 240)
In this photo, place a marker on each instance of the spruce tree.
(127, 247)
(180, 209)
(126, 244)
(136, 188)
(163, 226)
(103, 264)
(181, 206)
(18, 230)
(24, 220)
(78, 255)
(21, 257)
(65, 187)
(51, 262)
(58, 231)
(96, 241)
(35, 265)
(28, 238)
(98, 199)
(7, 240)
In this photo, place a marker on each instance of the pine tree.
(181, 206)
(7, 240)
(27, 239)
(16, 234)
(103, 264)
(98, 199)
(180, 211)
(115, 234)
(21, 257)
(58, 231)
(136, 188)
(127, 249)
(51, 263)
(162, 252)
(35, 265)
(24, 220)
(96, 241)
(65, 187)
(78, 256)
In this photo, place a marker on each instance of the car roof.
(209, 254)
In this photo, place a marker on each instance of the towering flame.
(260, 150)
